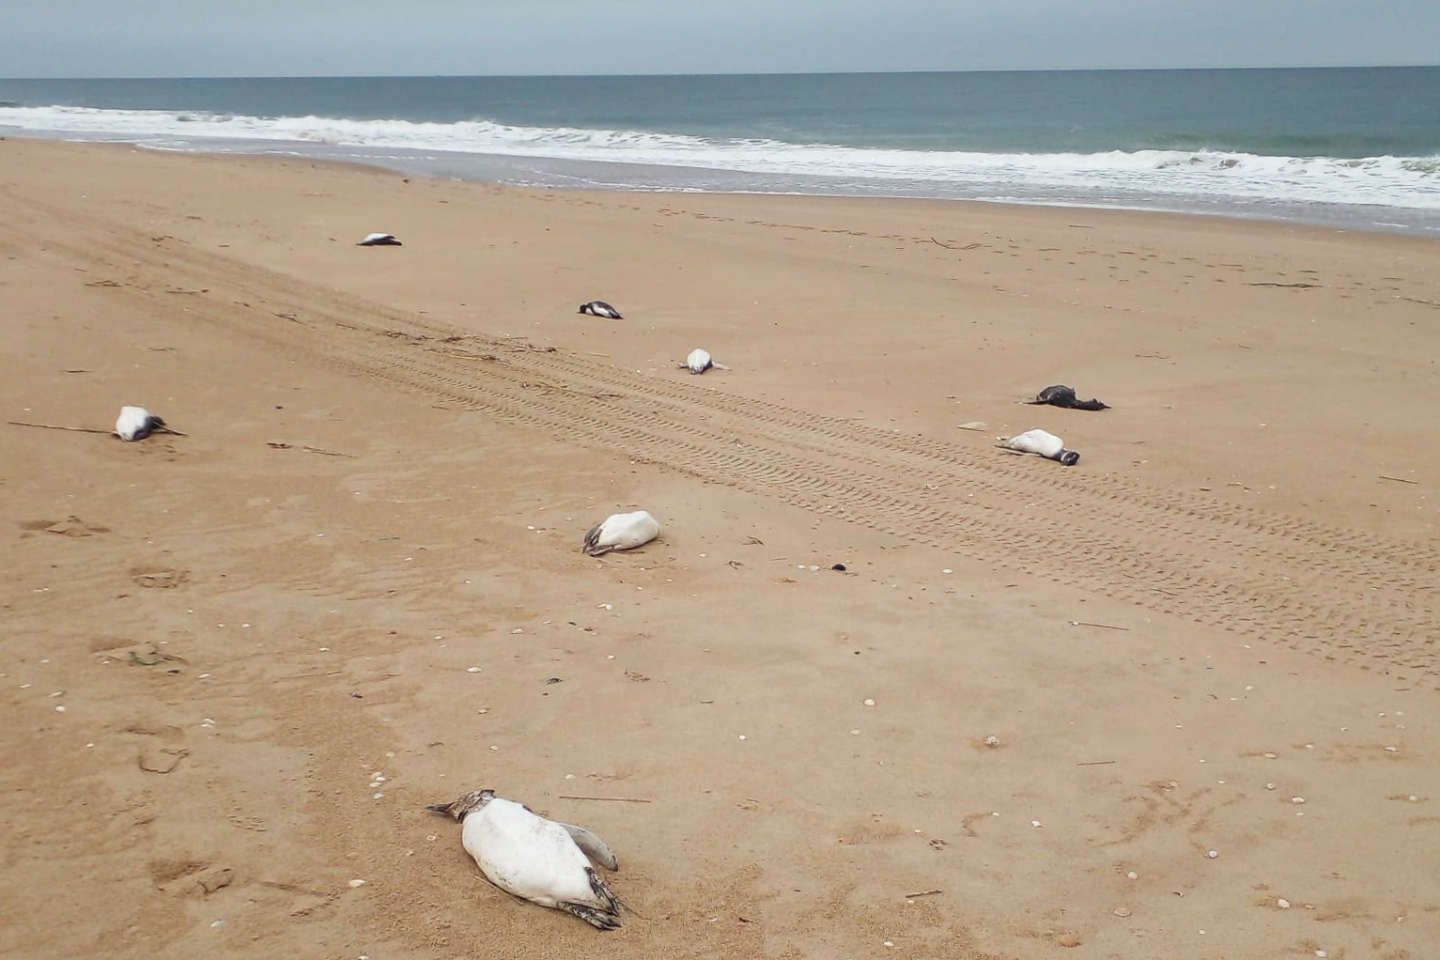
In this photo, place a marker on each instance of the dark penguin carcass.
(1063, 396)
(599, 308)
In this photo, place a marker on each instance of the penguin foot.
(597, 918)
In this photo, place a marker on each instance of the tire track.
(1056, 497)
(1332, 591)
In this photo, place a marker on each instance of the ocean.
(1349, 147)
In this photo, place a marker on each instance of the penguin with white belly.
(543, 861)
(1041, 443)
(621, 531)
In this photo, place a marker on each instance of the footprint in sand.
(189, 877)
(137, 654)
(161, 748)
(159, 578)
(71, 526)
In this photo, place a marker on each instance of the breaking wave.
(1388, 181)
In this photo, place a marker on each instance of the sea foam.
(1384, 181)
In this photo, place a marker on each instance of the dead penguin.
(379, 240)
(599, 308)
(699, 360)
(536, 859)
(621, 531)
(1042, 444)
(137, 423)
(1063, 396)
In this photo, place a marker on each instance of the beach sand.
(355, 587)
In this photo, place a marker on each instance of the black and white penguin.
(599, 308)
(621, 531)
(379, 240)
(137, 423)
(543, 861)
(698, 361)
(1042, 444)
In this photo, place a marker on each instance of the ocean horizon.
(1353, 147)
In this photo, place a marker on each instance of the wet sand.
(356, 588)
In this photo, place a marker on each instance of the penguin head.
(469, 803)
(1068, 457)
(584, 307)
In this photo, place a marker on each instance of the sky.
(144, 38)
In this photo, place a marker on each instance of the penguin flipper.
(593, 847)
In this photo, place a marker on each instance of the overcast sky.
(69, 38)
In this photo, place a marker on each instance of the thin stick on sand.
(51, 426)
(1103, 626)
(609, 799)
(923, 893)
(281, 445)
(1094, 763)
(1397, 479)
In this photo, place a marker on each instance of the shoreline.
(503, 169)
(1183, 692)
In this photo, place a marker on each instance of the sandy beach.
(1181, 700)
